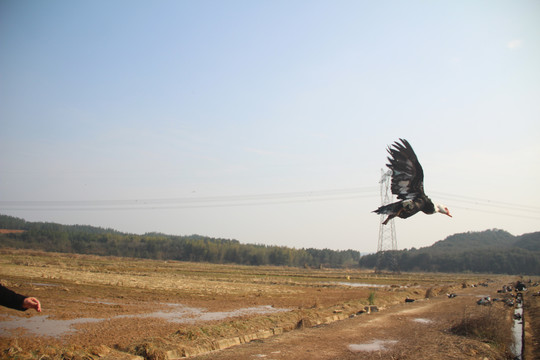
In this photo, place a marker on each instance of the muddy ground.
(104, 307)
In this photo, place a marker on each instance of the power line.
(486, 202)
(193, 202)
(457, 201)
(496, 212)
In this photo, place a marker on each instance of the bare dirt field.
(117, 308)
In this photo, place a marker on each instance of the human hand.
(32, 303)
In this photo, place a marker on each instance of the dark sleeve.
(11, 299)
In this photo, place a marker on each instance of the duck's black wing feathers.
(407, 173)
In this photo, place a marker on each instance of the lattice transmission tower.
(387, 245)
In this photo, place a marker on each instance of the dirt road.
(417, 330)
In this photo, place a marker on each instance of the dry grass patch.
(492, 325)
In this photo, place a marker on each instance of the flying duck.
(407, 185)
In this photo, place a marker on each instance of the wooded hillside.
(490, 251)
(84, 239)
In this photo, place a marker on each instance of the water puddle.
(42, 325)
(264, 355)
(358, 284)
(185, 314)
(517, 332)
(177, 313)
(375, 345)
(423, 321)
(43, 284)
(99, 302)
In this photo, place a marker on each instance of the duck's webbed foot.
(390, 217)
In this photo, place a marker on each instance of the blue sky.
(267, 121)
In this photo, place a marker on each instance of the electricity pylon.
(387, 245)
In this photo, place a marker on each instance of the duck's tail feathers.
(388, 209)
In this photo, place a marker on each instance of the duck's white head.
(442, 209)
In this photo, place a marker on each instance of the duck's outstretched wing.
(407, 173)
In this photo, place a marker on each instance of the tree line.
(490, 251)
(83, 239)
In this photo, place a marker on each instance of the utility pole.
(387, 245)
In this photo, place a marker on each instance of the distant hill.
(488, 239)
(529, 241)
(490, 251)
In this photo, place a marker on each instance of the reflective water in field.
(375, 345)
(517, 332)
(42, 325)
(358, 284)
(184, 314)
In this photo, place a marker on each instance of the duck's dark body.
(407, 184)
(405, 209)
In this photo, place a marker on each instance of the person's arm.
(11, 299)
